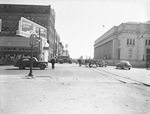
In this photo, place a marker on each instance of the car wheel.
(129, 68)
(42, 67)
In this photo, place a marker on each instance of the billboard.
(28, 9)
(26, 27)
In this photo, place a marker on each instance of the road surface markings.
(117, 77)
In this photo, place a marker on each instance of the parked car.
(123, 65)
(64, 59)
(92, 62)
(101, 63)
(24, 62)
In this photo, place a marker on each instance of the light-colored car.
(101, 63)
(123, 65)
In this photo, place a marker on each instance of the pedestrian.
(90, 63)
(148, 63)
(86, 62)
(53, 63)
(79, 62)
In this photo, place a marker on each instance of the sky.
(80, 22)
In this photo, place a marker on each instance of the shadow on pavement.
(26, 69)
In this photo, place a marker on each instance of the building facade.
(13, 46)
(128, 41)
(60, 49)
(57, 42)
(51, 34)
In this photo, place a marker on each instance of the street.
(70, 89)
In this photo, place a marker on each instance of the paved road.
(70, 89)
(139, 75)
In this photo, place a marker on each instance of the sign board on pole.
(26, 27)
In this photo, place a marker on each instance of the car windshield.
(127, 62)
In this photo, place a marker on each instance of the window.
(146, 42)
(130, 53)
(133, 41)
(130, 41)
(127, 41)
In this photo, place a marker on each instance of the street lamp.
(33, 42)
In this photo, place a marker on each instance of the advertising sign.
(26, 27)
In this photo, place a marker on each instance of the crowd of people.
(86, 62)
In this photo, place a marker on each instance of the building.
(128, 41)
(13, 46)
(60, 49)
(57, 42)
(65, 53)
(51, 34)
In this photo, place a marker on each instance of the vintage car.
(123, 65)
(24, 62)
(64, 59)
(101, 63)
(92, 63)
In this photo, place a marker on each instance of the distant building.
(13, 46)
(51, 34)
(65, 53)
(128, 41)
(60, 49)
(57, 42)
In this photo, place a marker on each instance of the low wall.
(136, 64)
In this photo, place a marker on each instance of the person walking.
(90, 62)
(53, 62)
(79, 62)
(147, 63)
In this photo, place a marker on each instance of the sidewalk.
(138, 74)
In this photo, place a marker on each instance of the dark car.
(24, 62)
(123, 65)
(101, 63)
(92, 62)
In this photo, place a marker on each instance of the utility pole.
(33, 41)
(39, 46)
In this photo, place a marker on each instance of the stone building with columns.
(128, 41)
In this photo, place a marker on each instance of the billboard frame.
(27, 27)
